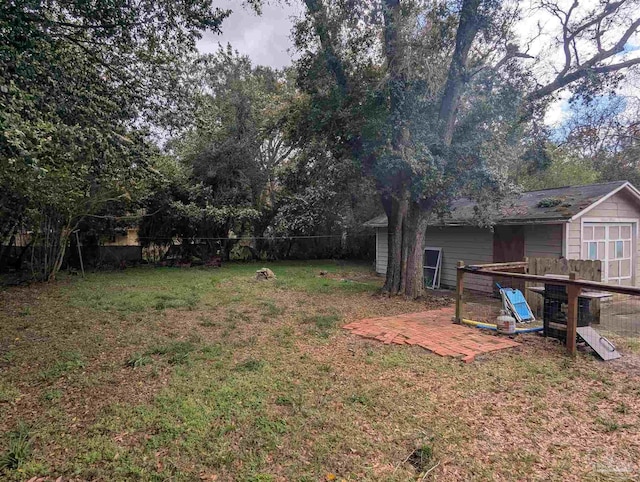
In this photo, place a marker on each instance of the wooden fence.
(573, 284)
(585, 269)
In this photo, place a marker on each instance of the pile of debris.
(264, 274)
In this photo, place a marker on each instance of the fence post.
(80, 253)
(572, 314)
(459, 293)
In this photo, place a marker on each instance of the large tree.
(80, 85)
(235, 146)
(248, 157)
(433, 98)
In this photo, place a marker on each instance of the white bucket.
(505, 324)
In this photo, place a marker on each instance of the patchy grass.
(323, 325)
(19, 448)
(8, 393)
(207, 374)
(68, 361)
(138, 360)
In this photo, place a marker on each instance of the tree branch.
(591, 66)
(334, 63)
(467, 30)
(597, 20)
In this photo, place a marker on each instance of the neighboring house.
(122, 239)
(596, 221)
(128, 237)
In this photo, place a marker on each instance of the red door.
(508, 245)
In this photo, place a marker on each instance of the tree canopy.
(249, 170)
(80, 85)
(436, 100)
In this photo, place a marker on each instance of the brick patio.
(432, 330)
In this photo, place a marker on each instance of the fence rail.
(574, 288)
(557, 279)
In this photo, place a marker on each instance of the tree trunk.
(407, 231)
(5, 249)
(407, 219)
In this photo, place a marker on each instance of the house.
(125, 237)
(595, 221)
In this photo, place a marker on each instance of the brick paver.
(432, 330)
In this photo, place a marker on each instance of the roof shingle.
(546, 205)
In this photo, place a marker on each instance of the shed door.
(508, 245)
(611, 243)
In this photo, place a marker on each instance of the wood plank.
(603, 347)
(627, 290)
(498, 266)
(460, 293)
(572, 314)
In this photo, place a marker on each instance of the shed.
(594, 221)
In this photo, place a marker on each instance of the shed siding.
(543, 241)
(382, 250)
(620, 205)
(472, 245)
(469, 244)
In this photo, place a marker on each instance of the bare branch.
(597, 20)
(573, 72)
(616, 67)
(512, 53)
(565, 38)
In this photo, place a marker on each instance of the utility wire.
(250, 238)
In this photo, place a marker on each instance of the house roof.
(556, 205)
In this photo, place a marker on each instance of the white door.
(612, 243)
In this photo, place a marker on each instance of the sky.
(266, 39)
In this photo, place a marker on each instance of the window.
(431, 267)
(611, 243)
(619, 250)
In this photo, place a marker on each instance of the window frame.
(607, 224)
(438, 267)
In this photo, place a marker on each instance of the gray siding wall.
(469, 244)
(543, 241)
(472, 245)
(382, 250)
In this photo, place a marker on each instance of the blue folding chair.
(515, 302)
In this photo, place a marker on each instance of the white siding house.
(597, 221)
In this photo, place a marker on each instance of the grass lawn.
(207, 374)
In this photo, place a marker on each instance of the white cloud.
(265, 38)
(559, 110)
